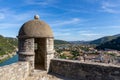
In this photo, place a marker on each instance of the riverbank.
(7, 56)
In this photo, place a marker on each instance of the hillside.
(60, 42)
(79, 42)
(7, 45)
(104, 39)
(94, 42)
(113, 44)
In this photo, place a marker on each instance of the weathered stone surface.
(26, 45)
(64, 69)
(15, 71)
(36, 44)
(85, 71)
(43, 75)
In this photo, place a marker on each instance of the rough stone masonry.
(84, 70)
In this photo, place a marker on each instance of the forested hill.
(60, 42)
(103, 40)
(97, 41)
(7, 45)
(113, 44)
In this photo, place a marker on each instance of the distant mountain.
(60, 42)
(118, 35)
(104, 39)
(7, 45)
(113, 44)
(97, 41)
(79, 42)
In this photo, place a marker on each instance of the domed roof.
(35, 28)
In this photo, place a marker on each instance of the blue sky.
(69, 19)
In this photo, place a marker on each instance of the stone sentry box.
(36, 44)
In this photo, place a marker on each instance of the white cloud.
(42, 3)
(66, 22)
(114, 27)
(3, 13)
(2, 16)
(10, 15)
(83, 31)
(9, 25)
(58, 34)
(89, 34)
(106, 27)
(110, 7)
(108, 4)
(11, 19)
(110, 10)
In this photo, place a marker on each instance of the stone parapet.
(15, 71)
(85, 70)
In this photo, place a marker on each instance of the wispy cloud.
(110, 7)
(40, 2)
(57, 34)
(9, 25)
(66, 22)
(109, 27)
(2, 16)
(88, 33)
(70, 20)
(9, 15)
(10, 19)
(4, 12)
(83, 31)
(114, 27)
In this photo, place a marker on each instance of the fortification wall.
(15, 71)
(85, 71)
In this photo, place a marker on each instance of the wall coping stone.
(90, 63)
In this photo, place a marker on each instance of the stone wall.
(84, 70)
(15, 71)
(26, 51)
(50, 51)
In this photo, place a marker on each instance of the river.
(10, 61)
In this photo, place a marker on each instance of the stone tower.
(36, 44)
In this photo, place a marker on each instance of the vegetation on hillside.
(103, 40)
(7, 45)
(96, 41)
(113, 44)
(60, 42)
